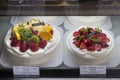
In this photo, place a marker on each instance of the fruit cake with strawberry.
(32, 40)
(92, 45)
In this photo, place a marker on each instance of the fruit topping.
(23, 47)
(34, 47)
(43, 43)
(90, 39)
(31, 35)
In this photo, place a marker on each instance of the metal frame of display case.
(62, 73)
(53, 10)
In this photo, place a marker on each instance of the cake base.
(71, 60)
(8, 60)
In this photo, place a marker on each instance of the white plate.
(56, 61)
(54, 21)
(71, 61)
(68, 26)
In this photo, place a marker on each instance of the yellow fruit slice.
(15, 30)
(47, 28)
(45, 35)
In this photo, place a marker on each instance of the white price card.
(26, 71)
(92, 70)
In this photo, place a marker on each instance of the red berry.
(100, 39)
(103, 34)
(51, 32)
(35, 32)
(91, 48)
(91, 29)
(77, 43)
(89, 43)
(82, 46)
(104, 44)
(34, 47)
(15, 43)
(76, 34)
(106, 39)
(98, 47)
(23, 47)
(30, 43)
(42, 43)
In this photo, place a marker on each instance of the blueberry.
(36, 24)
(42, 23)
(81, 33)
(27, 23)
(95, 32)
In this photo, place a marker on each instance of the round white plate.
(68, 26)
(72, 61)
(56, 61)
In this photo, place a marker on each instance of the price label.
(25, 71)
(93, 70)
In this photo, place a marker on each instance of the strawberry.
(106, 39)
(91, 29)
(34, 47)
(104, 44)
(100, 39)
(23, 47)
(51, 32)
(77, 43)
(89, 43)
(42, 43)
(91, 48)
(76, 34)
(82, 46)
(98, 47)
(103, 34)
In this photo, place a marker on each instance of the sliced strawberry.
(100, 39)
(80, 30)
(82, 46)
(98, 47)
(77, 43)
(106, 39)
(51, 32)
(103, 34)
(104, 44)
(76, 34)
(34, 47)
(42, 43)
(91, 29)
(23, 47)
(91, 48)
(89, 43)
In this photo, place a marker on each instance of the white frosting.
(87, 20)
(96, 57)
(29, 57)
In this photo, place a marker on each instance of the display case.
(65, 38)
